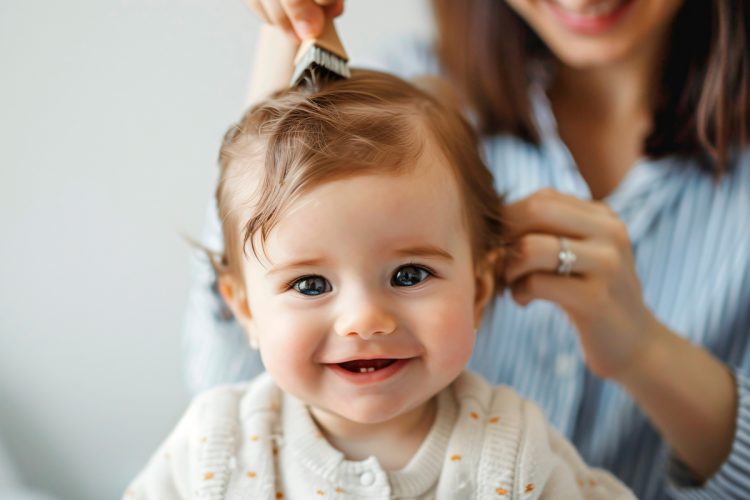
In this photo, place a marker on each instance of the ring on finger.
(565, 258)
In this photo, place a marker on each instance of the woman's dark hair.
(702, 108)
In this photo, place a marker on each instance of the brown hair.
(702, 108)
(372, 122)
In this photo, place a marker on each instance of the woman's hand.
(602, 295)
(678, 384)
(301, 19)
(288, 23)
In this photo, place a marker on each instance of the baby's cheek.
(451, 335)
(287, 353)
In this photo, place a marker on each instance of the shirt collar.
(648, 187)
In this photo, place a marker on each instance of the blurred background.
(111, 115)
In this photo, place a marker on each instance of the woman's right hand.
(301, 19)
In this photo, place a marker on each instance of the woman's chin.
(591, 55)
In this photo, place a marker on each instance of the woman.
(629, 310)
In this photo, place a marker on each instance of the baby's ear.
(234, 295)
(484, 288)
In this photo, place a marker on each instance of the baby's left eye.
(409, 275)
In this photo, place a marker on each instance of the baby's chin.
(367, 413)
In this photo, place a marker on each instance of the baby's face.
(365, 304)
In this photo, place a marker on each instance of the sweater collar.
(308, 446)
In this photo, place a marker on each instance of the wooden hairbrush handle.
(328, 40)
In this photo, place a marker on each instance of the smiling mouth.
(366, 365)
(593, 10)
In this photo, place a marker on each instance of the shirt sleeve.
(215, 347)
(732, 480)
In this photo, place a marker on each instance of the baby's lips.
(359, 365)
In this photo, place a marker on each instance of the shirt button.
(367, 478)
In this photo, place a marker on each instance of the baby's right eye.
(312, 285)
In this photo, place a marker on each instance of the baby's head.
(360, 227)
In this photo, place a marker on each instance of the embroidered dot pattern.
(319, 492)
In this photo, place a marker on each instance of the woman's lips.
(594, 19)
(368, 371)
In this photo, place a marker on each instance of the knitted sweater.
(252, 441)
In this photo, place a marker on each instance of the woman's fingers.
(333, 8)
(257, 7)
(306, 16)
(602, 296)
(300, 18)
(329, 3)
(566, 291)
(537, 252)
(277, 16)
(548, 211)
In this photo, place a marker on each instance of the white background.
(111, 114)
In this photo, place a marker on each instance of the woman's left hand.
(602, 295)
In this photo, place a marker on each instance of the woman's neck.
(623, 87)
(604, 113)
(393, 442)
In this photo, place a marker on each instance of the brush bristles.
(318, 62)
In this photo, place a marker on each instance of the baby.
(361, 229)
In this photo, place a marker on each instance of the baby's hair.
(370, 123)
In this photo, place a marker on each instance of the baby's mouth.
(366, 365)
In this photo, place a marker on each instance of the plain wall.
(111, 114)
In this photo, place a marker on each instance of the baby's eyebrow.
(296, 263)
(414, 251)
(423, 251)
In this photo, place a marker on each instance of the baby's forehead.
(376, 214)
(418, 191)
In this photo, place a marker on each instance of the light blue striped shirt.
(691, 240)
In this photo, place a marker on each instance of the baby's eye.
(312, 285)
(409, 275)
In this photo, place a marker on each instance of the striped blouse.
(691, 241)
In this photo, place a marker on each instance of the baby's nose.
(365, 318)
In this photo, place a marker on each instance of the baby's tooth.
(371, 369)
(363, 370)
